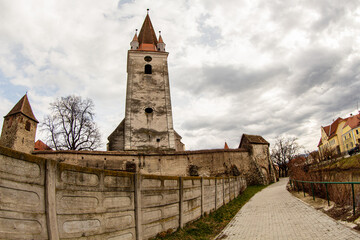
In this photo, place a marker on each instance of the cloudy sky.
(271, 68)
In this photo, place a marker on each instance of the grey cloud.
(218, 80)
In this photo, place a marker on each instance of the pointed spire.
(23, 106)
(160, 45)
(134, 44)
(135, 38)
(147, 37)
(160, 38)
(226, 146)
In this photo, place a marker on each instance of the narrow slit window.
(148, 69)
(27, 125)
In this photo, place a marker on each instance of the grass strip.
(211, 225)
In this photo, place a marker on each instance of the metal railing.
(293, 181)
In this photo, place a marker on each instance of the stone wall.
(18, 132)
(252, 164)
(45, 199)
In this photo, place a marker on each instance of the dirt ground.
(344, 214)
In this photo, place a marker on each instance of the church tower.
(148, 123)
(19, 127)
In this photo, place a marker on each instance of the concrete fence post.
(235, 187)
(202, 196)
(137, 203)
(223, 185)
(229, 189)
(215, 193)
(50, 200)
(181, 202)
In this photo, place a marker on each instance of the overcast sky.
(270, 68)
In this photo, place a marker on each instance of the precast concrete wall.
(43, 199)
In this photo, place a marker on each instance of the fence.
(293, 181)
(44, 199)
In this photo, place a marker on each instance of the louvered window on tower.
(148, 69)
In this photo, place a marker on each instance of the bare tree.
(71, 125)
(283, 151)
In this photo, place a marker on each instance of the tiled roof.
(256, 139)
(326, 130)
(23, 106)
(353, 121)
(252, 139)
(330, 130)
(135, 38)
(147, 36)
(40, 146)
(160, 39)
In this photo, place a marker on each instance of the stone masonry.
(148, 120)
(19, 127)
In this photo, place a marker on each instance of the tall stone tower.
(148, 123)
(19, 127)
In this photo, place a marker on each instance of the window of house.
(148, 69)
(357, 131)
(27, 125)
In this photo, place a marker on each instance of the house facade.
(340, 136)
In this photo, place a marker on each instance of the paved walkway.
(274, 213)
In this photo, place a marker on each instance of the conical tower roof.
(160, 39)
(23, 106)
(147, 36)
(135, 38)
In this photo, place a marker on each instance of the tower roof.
(135, 38)
(147, 36)
(160, 39)
(23, 106)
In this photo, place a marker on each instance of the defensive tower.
(19, 127)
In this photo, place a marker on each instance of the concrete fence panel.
(22, 197)
(43, 199)
(92, 202)
(209, 194)
(160, 204)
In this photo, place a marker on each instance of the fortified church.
(145, 140)
(148, 120)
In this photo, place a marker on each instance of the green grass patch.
(211, 225)
(352, 162)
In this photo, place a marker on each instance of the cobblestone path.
(274, 213)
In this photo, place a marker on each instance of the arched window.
(148, 69)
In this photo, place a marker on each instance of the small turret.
(135, 42)
(19, 127)
(161, 45)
